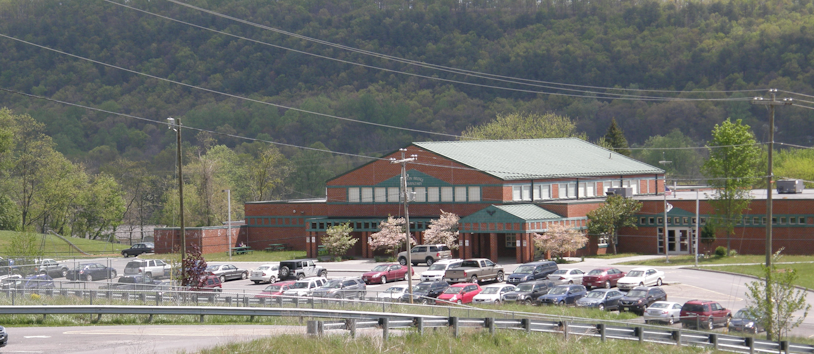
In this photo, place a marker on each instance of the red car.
(704, 314)
(275, 289)
(461, 293)
(602, 278)
(383, 273)
(207, 283)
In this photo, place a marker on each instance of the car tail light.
(664, 312)
(562, 278)
(438, 254)
(264, 274)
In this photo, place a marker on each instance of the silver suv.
(150, 268)
(425, 254)
(346, 288)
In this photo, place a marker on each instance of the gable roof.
(510, 213)
(538, 158)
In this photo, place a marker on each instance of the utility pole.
(665, 233)
(229, 225)
(403, 161)
(176, 125)
(769, 176)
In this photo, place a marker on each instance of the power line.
(519, 81)
(228, 94)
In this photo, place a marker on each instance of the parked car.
(266, 273)
(129, 282)
(275, 289)
(640, 277)
(426, 292)
(638, 299)
(563, 295)
(602, 299)
(384, 272)
(11, 281)
(227, 272)
(663, 311)
(602, 277)
(3, 337)
(343, 289)
(393, 293)
(704, 314)
(139, 248)
(51, 267)
(300, 269)
(39, 281)
(91, 272)
(743, 322)
(461, 293)
(151, 268)
(207, 283)
(475, 270)
(531, 271)
(436, 271)
(493, 294)
(567, 276)
(528, 291)
(425, 254)
(21, 266)
(305, 287)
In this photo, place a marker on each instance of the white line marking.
(36, 336)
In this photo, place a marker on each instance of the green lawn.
(471, 341)
(57, 248)
(684, 260)
(612, 256)
(805, 271)
(256, 256)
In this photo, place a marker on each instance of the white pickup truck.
(474, 271)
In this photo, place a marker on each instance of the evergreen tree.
(616, 138)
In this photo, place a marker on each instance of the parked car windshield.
(560, 271)
(694, 308)
(380, 268)
(596, 272)
(422, 287)
(212, 267)
(637, 293)
(490, 291)
(635, 273)
(525, 287)
(333, 284)
(395, 289)
(437, 266)
(274, 288)
(263, 268)
(742, 314)
(558, 291)
(452, 290)
(660, 305)
(524, 269)
(596, 294)
(301, 285)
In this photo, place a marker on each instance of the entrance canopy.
(509, 219)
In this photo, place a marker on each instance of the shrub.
(720, 251)
(733, 253)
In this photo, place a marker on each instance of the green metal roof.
(510, 213)
(538, 158)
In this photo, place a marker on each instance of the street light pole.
(404, 194)
(229, 222)
(664, 235)
(176, 125)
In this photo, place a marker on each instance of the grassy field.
(471, 341)
(684, 260)
(612, 256)
(256, 256)
(53, 247)
(805, 272)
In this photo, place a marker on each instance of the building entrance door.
(678, 241)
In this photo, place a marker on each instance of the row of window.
(528, 192)
(419, 194)
(753, 220)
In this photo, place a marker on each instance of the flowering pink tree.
(559, 239)
(391, 236)
(337, 239)
(443, 230)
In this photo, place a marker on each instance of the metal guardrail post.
(490, 323)
(142, 297)
(601, 328)
(677, 337)
(564, 327)
(262, 301)
(713, 339)
(784, 346)
(320, 328)
(126, 296)
(229, 300)
(453, 321)
(350, 324)
(202, 319)
(150, 318)
(246, 302)
(639, 332)
(312, 301)
(385, 323)
(419, 324)
(311, 328)
(526, 323)
(92, 296)
(158, 299)
(280, 301)
(750, 342)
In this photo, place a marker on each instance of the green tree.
(102, 207)
(616, 138)
(310, 172)
(672, 147)
(525, 126)
(337, 240)
(708, 234)
(267, 173)
(777, 315)
(616, 213)
(732, 170)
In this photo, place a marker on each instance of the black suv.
(528, 291)
(426, 292)
(639, 298)
(532, 271)
(139, 248)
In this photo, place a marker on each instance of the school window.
(393, 194)
(511, 241)
(460, 194)
(420, 194)
(633, 185)
(763, 220)
(367, 195)
(652, 220)
(380, 194)
(542, 192)
(432, 194)
(746, 221)
(586, 189)
(642, 221)
(353, 195)
(602, 240)
(446, 194)
(756, 221)
(792, 220)
(474, 194)
(521, 193)
(782, 221)
(661, 221)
